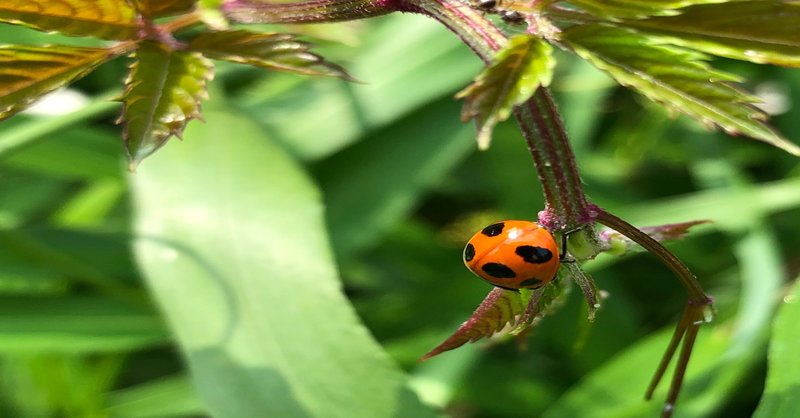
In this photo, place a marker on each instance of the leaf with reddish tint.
(637, 8)
(674, 77)
(107, 19)
(764, 32)
(164, 91)
(523, 65)
(274, 51)
(28, 72)
(499, 308)
(614, 242)
(158, 8)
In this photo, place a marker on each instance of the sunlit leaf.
(157, 8)
(107, 19)
(512, 78)
(164, 91)
(275, 51)
(27, 73)
(764, 32)
(637, 8)
(235, 250)
(677, 78)
(500, 308)
(783, 376)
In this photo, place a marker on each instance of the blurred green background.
(210, 282)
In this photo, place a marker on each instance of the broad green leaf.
(158, 8)
(783, 375)
(76, 324)
(500, 308)
(234, 249)
(27, 73)
(107, 19)
(164, 91)
(274, 51)
(517, 70)
(167, 397)
(764, 32)
(638, 8)
(677, 78)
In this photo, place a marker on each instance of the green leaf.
(107, 19)
(274, 51)
(783, 375)
(159, 8)
(517, 70)
(164, 91)
(500, 308)
(167, 397)
(674, 77)
(234, 249)
(76, 324)
(27, 73)
(638, 8)
(764, 32)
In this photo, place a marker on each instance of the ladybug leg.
(563, 258)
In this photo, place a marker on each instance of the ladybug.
(514, 255)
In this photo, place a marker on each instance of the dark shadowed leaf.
(783, 377)
(677, 78)
(764, 32)
(500, 308)
(27, 73)
(266, 328)
(107, 19)
(637, 8)
(157, 8)
(512, 78)
(275, 51)
(164, 91)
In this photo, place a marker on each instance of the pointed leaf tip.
(164, 91)
(517, 70)
(499, 308)
(274, 51)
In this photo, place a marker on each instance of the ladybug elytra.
(513, 255)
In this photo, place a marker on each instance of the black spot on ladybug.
(533, 282)
(534, 255)
(469, 252)
(493, 230)
(497, 270)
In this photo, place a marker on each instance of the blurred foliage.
(82, 335)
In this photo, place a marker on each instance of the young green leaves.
(272, 51)
(517, 70)
(163, 93)
(168, 77)
(677, 78)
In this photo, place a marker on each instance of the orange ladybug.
(513, 255)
